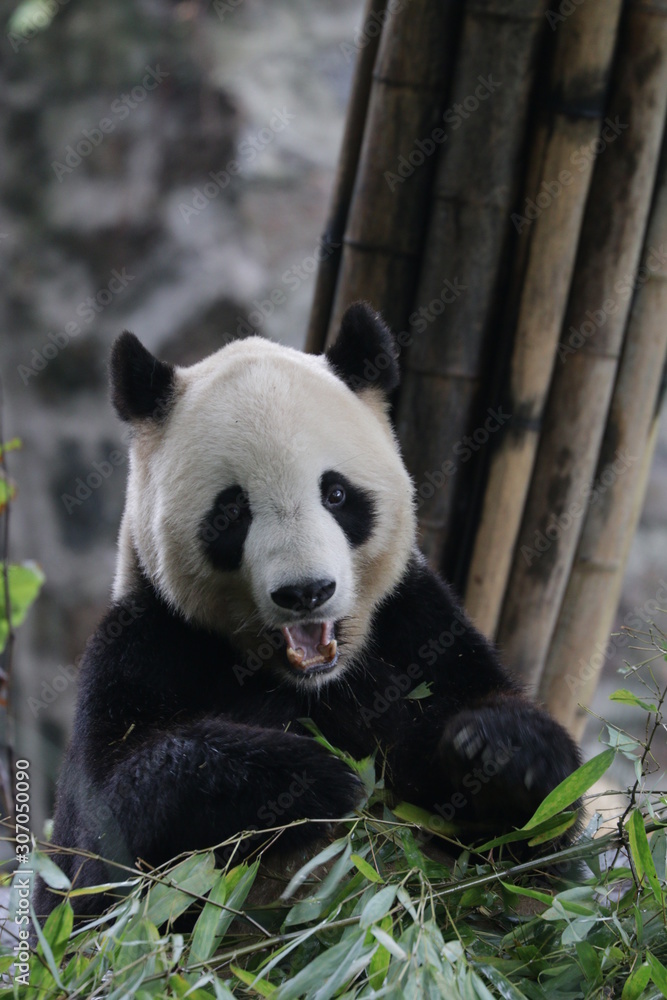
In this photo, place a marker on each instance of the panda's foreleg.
(195, 785)
(475, 748)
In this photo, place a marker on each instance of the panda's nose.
(304, 596)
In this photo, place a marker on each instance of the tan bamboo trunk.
(548, 218)
(325, 288)
(581, 388)
(581, 639)
(387, 218)
(464, 253)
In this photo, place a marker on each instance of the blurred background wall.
(165, 168)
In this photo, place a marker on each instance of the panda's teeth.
(295, 656)
(328, 650)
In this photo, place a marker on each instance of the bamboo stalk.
(549, 218)
(387, 216)
(581, 388)
(593, 590)
(325, 288)
(465, 245)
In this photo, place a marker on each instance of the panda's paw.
(503, 759)
(329, 789)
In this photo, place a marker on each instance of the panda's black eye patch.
(352, 507)
(223, 530)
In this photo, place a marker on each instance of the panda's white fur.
(271, 419)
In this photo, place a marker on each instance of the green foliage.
(23, 581)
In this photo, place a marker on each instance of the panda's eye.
(350, 505)
(235, 509)
(335, 496)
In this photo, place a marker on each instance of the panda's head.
(267, 499)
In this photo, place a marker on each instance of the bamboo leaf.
(25, 583)
(382, 935)
(7, 492)
(329, 852)
(204, 934)
(172, 895)
(628, 698)
(658, 973)
(518, 890)
(46, 950)
(569, 819)
(260, 985)
(48, 869)
(571, 788)
(58, 928)
(322, 977)
(504, 987)
(421, 817)
(14, 445)
(641, 853)
(422, 690)
(213, 922)
(365, 868)
(636, 982)
(590, 962)
(379, 964)
(378, 906)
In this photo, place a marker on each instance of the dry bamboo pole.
(591, 598)
(468, 234)
(580, 393)
(325, 288)
(387, 219)
(548, 218)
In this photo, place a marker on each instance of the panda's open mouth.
(310, 647)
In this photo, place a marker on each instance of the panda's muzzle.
(310, 646)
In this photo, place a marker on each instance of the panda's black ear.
(141, 386)
(364, 353)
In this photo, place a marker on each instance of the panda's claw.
(468, 741)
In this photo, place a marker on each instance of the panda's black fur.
(182, 738)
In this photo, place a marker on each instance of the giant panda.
(268, 572)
